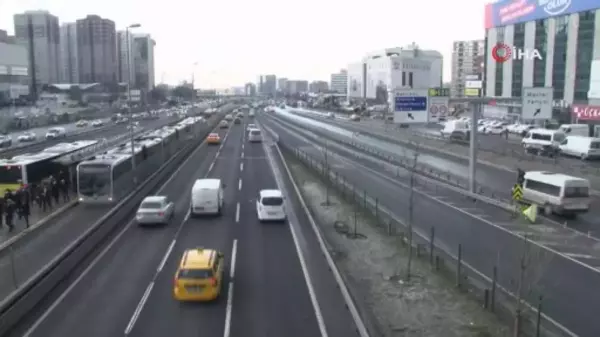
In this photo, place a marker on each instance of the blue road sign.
(410, 103)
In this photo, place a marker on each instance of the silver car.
(155, 210)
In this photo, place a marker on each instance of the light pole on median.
(131, 133)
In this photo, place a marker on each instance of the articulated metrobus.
(31, 168)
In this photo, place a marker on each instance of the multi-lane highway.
(277, 282)
(494, 179)
(490, 237)
(35, 249)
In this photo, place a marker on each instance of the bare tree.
(411, 202)
(532, 267)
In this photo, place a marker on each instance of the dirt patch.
(375, 264)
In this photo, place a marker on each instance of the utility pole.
(131, 133)
(411, 202)
(327, 200)
(475, 107)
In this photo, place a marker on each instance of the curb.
(38, 224)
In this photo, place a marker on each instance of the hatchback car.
(223, 125)
(213, 139)
(155, 210)
(199, 276)
(237, 120)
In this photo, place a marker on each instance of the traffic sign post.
(438, 108)
(537, 103)
(517, 192)
(410, 106)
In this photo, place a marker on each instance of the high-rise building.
(69, 57)
(296, 87)
(14, 79)
(564, 33)
(467, 57)
(125, 57)
(269, 85)
(250, 89)
(318, 86)
(97, 48)
(144, 61)
(339, 82)
(282, 84)
(38, 32)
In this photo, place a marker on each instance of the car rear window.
(151, 205)
(196, 274)
(255, 132)
(272, 201)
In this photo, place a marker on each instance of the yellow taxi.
(213, 138)
(199, 276)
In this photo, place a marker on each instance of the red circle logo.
(501, 52)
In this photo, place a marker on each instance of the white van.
(575, 129)
(207, 197)
(582, 147)
(270, 206)
(55, 133)
(456, 129)
(556, 192)
(542, 139)
(254, 136)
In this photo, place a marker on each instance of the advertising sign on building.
(537, 103)
(473, 84)
(472, 92)
(410, 106)
(508, 12)
(582, 112)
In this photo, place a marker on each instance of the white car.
(251, 127)
(155, 210)
(270, 206)
(495, 130)
(27, 137)
(81, 124)
(5, 141)
(97, 123)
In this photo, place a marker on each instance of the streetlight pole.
(131, 133)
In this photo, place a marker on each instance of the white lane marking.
(218, 152)
(241, 166)
(233, 260)
(305, 272)
(108, 247)
(139, 308)
(242, 155)
(164, 259)
(237, 212)
(227, 331)
(228, 309)
(210, 168)
(483, 276)
(240, 184)
(336, 273)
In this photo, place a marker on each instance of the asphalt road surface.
(493, 179)
(127, 290)
(35, 249)
(567, 281)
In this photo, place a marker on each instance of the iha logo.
(503, 52)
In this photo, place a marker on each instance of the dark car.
(237, 120)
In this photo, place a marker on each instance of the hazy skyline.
(235, 41)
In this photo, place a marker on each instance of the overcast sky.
(234, 41)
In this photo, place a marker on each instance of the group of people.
(46, 194)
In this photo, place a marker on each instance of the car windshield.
(255, 132)
(151, 205)
(94, 179)
(251, 126)
(214, 135)
(272, 201)
(198, 274)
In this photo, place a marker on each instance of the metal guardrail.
(28, 296)
(492, 295)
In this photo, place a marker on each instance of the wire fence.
(527, 319)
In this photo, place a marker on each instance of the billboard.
(508, 12)
(582, 112)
